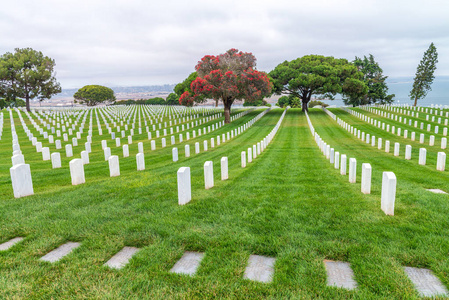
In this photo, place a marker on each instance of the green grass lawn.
(289, 203)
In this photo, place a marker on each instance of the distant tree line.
(151, 101)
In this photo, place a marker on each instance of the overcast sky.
(132, 42)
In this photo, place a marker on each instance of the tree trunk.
(27, 101)
(304, 105)
(416, 101)
(216, 102)
(227, 103)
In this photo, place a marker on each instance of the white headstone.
(441, 161)
(22, 183)
(184, 186)
(187, 151)
(208, 175)
(388, 195)
(408, 152)
(366, 178)
(175, 154)
(396, 149)
(17, 159)
(243, 155)
(224, 168)
(352, 170)
(68, 150)
(56, 160)
(85, 157)
(140, 161)
(114, 166)
(140, 147)
(45, 153)
(422, 156)
(77, 171)
(337, 160)
(197, 148)
(343, 164)
(107, 153)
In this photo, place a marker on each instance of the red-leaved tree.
(230, 76)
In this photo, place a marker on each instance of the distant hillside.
(121, 91)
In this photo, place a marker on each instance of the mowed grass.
(289, 203)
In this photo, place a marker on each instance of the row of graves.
(407, 132)
(340, 273)
(126, 122)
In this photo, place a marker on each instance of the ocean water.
(401, 87)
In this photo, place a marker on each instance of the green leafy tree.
(172, 99)
(92, 95)
(317, 75)
(374, 80)
(283, 101)
(27, 74)
(424, 74)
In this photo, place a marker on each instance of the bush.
(316, 102)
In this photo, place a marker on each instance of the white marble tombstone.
(17, 159)
(22, 182)
(432, 140)
(243, 159)
(250, 155)
(396, 149)
(352, 170)
(45, 153)
(77, 171)
(422, 156)
(197, 147)
(175, 154)
(388, 195)
(140, 147)
(85, 157)
(343, 164)
(56, 160)
(117, 142)
(114, 166)
(163, 143)
(408, 152)
(68, 150)
(224, 168)
(104, 144)
(337, 160)
(208, 175)
(153, 145)
(187, 151)
(184, 186)
(441, 161)
(366, 178)
(107, 153)
(140, 161)
(205, 145)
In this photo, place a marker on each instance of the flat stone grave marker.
(339, 274)
(5, 246)
(260, 268)
(122, 258)
(60, 252)
(427, 284)
(188, 264)
(437, 191)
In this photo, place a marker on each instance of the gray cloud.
(145, 42)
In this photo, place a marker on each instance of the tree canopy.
(172, 99)
(27, 74)
(374, 80)
(317, 75)
(424, 74)
(228, 77)
(92, 95)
